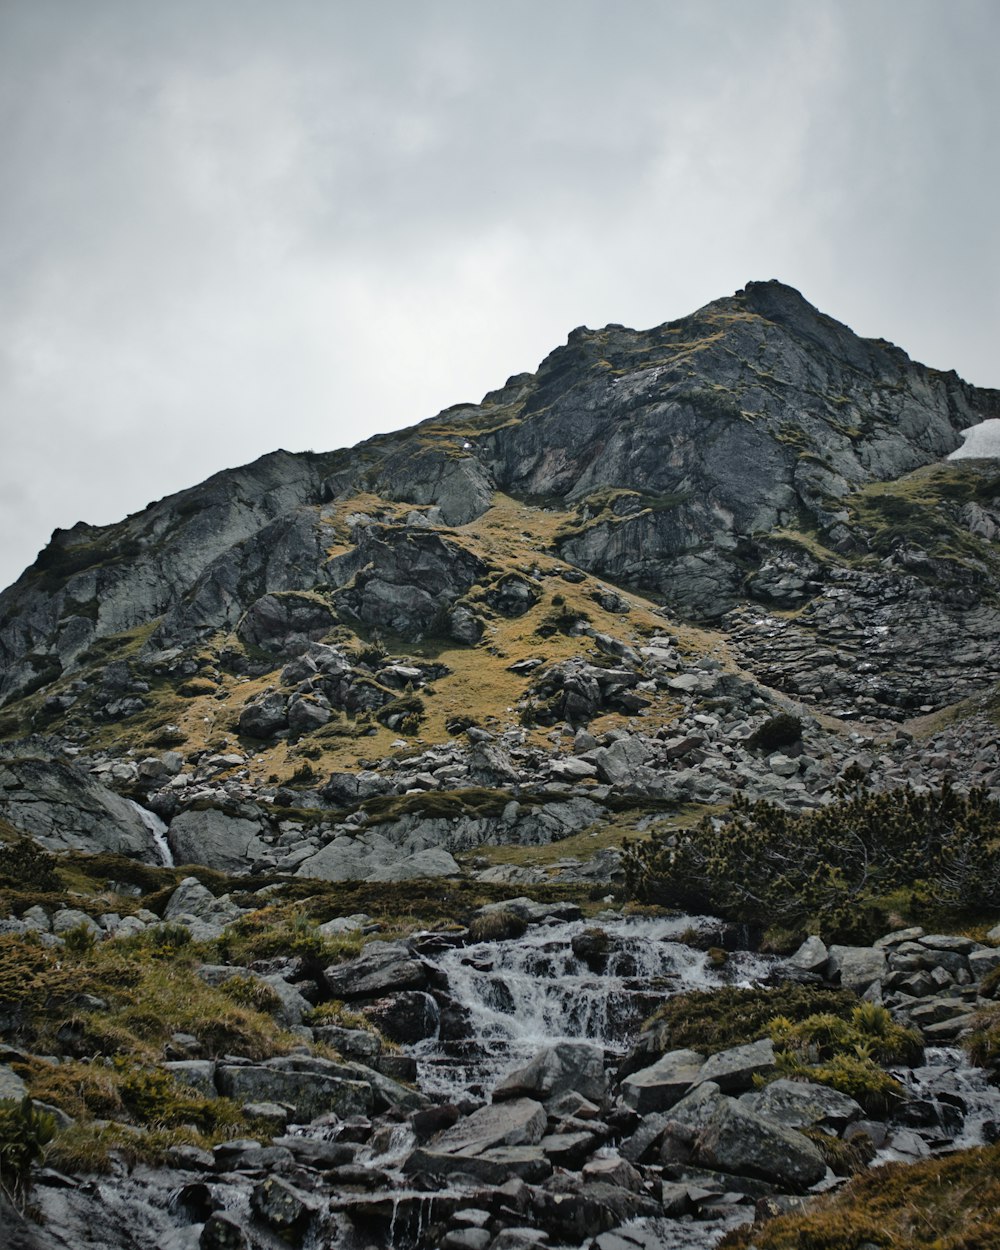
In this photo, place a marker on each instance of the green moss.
(714, 1020)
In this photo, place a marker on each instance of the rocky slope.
(586, 593)
(724, 559)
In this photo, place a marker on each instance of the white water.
(527, 993)
(159, 832)
(947, 1082)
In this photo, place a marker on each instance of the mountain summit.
(674, 456)
(752, 487)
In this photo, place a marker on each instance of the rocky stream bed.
(521, 1107)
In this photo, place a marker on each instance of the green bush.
(830, 867)
(24, 1133)
(25, 866)
(848, 1054)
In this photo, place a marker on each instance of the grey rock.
(739, 1141)
(566, 1066)
(68, 918)
(383, 968)
(65, 809)
(803, 1104)
(984, 961)
(733, 1070)
(215, 839)
(856, 967)
(11, 1085)
(199, 1074)
(811, 956)
(310, 1094)
(194, 899)
(518, 1122)
(664, 1083)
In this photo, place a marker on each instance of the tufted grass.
(949, 1203)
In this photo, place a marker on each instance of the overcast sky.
(228, 226)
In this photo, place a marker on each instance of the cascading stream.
(521, 995)
(158, 830)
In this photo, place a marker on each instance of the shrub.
(829, 867)
(847, 1054)
(497, 926)
(24, 1133)
(252, 992)
(778, 731)
(24, 865)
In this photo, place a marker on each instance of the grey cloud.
(230, 225)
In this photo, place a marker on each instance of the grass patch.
(949, 1203)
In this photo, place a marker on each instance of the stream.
(524, 994)
(501, 1003)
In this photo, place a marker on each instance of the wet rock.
(573, 1211)
(283, 1207)
(247, 1155)
(222, 1232)
(559, 1069)
(404, 1018)
(663, 1083)
(314, 1152)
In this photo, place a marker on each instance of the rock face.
(65, 809)
(674, 447)
(752, 458)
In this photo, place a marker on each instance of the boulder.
(803, 1104)
(264, 717)
(191, 898)
(812, 956)
(856, 967)
(576, 1066)
(384, 968)
(213, 838)
(66, 809)
(733, 1070)
(407, 1017)
(739, 1141)
(311, 1094)
(663, 1083)
(518, 1122)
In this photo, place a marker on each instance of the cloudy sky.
(234, 225)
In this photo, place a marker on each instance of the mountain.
(740, 512)
(415, 744)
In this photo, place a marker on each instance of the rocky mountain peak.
(755, 466)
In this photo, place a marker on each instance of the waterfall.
(521, 995)
(158, 830)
